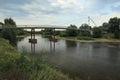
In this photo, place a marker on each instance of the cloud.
(49, 11)
(2, 15)
(102, 7)
(108, 16)
(64, 3)
(59, 11)
(100, 18)
(55, 7)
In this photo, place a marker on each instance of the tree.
(97, 32)
(85, 30)
(47, 31)
(115, 27)
(105, 27)
(72, 30)
(9, 34)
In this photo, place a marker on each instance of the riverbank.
(16, 66)
(92, 39)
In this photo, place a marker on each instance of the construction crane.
(90, 30)
(89, 19)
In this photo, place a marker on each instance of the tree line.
(110, 29)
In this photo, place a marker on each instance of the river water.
(84, 60)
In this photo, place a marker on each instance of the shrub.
(97, 32)
(108, 36)
(62, 34)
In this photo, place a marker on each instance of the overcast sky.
(59, 12)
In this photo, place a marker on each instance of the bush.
(108, 36)
(62, 34)
(72, 31)
(97, 32)
(9, 34)
(84, 33)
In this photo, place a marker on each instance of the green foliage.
(72, 31)
(83, 29)
(97, 32)
(62, 34)
(115, 27)
(85, 26)
(47, 32)
(17, 66)
(108, 36)
(9, 22)
(9, 34)
(84, 38)
(105, 27)
(84, 33)
(21, 32)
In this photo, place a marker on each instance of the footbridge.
(33, 27)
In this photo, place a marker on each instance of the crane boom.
(89, 19)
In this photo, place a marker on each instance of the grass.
(106, 40)
(77, 38)
(88, 39)
(84, 38)
(17, 66)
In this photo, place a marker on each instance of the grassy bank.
(88, 39)
(17, 66)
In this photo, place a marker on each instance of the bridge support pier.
(52, 40)
(52, 35)
(32, 39)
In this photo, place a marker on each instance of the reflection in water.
(71, 43)
(20, 38)
(114, 45)
(33, 48)
(52, 43)
(113, 55)
(89, 61)
(52, 46)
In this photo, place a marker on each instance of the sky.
(59, 12)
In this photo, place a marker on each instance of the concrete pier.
(32, 39)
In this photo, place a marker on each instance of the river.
(84, 60)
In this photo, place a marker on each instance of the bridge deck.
(39, 27)
(33, 26)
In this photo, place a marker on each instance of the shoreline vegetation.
(107, 32)
(15, 65)
(88, 40)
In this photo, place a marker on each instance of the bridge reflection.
(33, 48)
(52, 45)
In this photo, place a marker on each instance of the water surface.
(86, 60)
